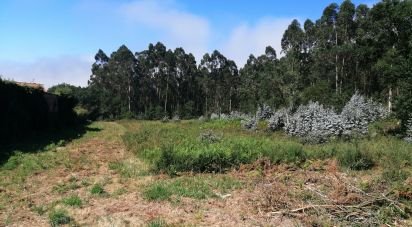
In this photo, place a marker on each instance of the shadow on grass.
(40, 142)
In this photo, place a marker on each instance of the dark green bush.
(25, 111)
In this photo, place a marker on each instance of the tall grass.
(177, 148)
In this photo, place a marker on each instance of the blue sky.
(54, 41)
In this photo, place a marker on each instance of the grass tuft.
(196, 187)
(97, 189)
(73, 200)
(59, 217)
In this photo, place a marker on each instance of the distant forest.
(349, 48)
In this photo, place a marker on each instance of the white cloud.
(177, 28)
(75, 70)
(248, 39)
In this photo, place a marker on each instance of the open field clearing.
(138, 173)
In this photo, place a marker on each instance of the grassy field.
(149, 173)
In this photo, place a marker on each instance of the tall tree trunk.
(230, 100)
(390, 99)
(336, 61)
(167, 90)
(336, 74)
(129, 96)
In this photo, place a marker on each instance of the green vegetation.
(197, 187)
(97, 189)
(131, 168)
(175, 148)
(157, 223)
(26, 111)
(59, 217)
(73, 200)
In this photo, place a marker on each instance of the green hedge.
(24, 111)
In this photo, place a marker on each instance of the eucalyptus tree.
(220, 76)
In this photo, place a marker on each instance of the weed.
(59, 217)
(63, 187)
(157, 223)
(191, 187)
(119, 192)
(40, 210)
(157, 192)
(131, 168)
(73, 200)
(97, 189)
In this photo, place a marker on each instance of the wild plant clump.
(408, 137)
(235, 115)
(209, 137)
(314, 122)
(165, 119)
(176, 118)
(214, 116)
(249, 124)
(224, 117)
(279, 119)
(359, 112)
(264, 112)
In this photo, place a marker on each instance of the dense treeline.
(26, 110)
(349, 48)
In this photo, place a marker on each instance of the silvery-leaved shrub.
(249, 124)
(264, 112)
(408, 137)
(201, 118)
(359, 112)
(214, 116)
(224, 117)
(314, 123)
(165, 119)
(236, 115)
(279, 119)
(176, 118)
